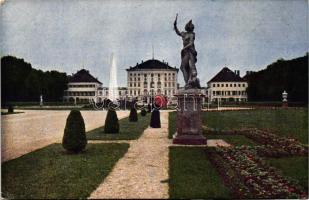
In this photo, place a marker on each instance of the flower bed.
(271, 144)
(249, 177)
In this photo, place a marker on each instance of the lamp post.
(284, 99)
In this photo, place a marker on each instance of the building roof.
(226, 75)
(151, 64)
(82, 76)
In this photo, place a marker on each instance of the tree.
(74, 138)
(143, 112)
(20, 82)
(289, 75)
(133, 115)
(155, 119)
(111, 122)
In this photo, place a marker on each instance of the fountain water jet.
(113, 93)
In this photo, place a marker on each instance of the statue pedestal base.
(189, 123)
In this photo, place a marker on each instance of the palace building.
(82, 86)
(152, 77)
(144, 80)
(227, 86)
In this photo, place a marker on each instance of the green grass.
(287, 122)
(128, 130)
(52, 173)
(192, 175)
(235, 140)
(294, 167)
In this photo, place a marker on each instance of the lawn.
(192, 175)
(128, 130)
(294, 167)
(51, 173)
(286, 122)
(235, 140)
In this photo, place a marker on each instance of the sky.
(67, 35)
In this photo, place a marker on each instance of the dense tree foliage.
(143, 112)
(74, 137)
(133, 115)
(111, 122)
(288, 75)
(21, 82)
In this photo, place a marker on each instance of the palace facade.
(227, 86)
(154, 77)
(82, 86)
(144, 80)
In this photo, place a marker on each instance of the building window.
(231, 85)
(213, 85)
(244, 85)
(218, 85)
(226, 85)
(238, 85)
(222, 85)
(234, 84)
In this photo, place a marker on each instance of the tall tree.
(288, 75)
(21, 82)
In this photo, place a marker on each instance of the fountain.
(113, 93)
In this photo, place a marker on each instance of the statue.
(188, 55)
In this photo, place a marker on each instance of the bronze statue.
(188, 55)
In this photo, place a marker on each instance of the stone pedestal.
(285, 104)
(189, 123)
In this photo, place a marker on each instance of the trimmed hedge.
(10, 109)
(111, 122)
(155, 119)
(133, 115)
(74, 138)
(143, 112)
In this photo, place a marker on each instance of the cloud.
(245, 35)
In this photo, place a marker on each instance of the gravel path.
(143, 171)
(34, 129)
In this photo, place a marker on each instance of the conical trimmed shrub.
(10, 108)
(74, 137)
(111, 122)
(155, 119)
(133, 115)
(143, 112)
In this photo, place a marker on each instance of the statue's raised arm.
(175, 26)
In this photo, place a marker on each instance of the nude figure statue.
(188, 55)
